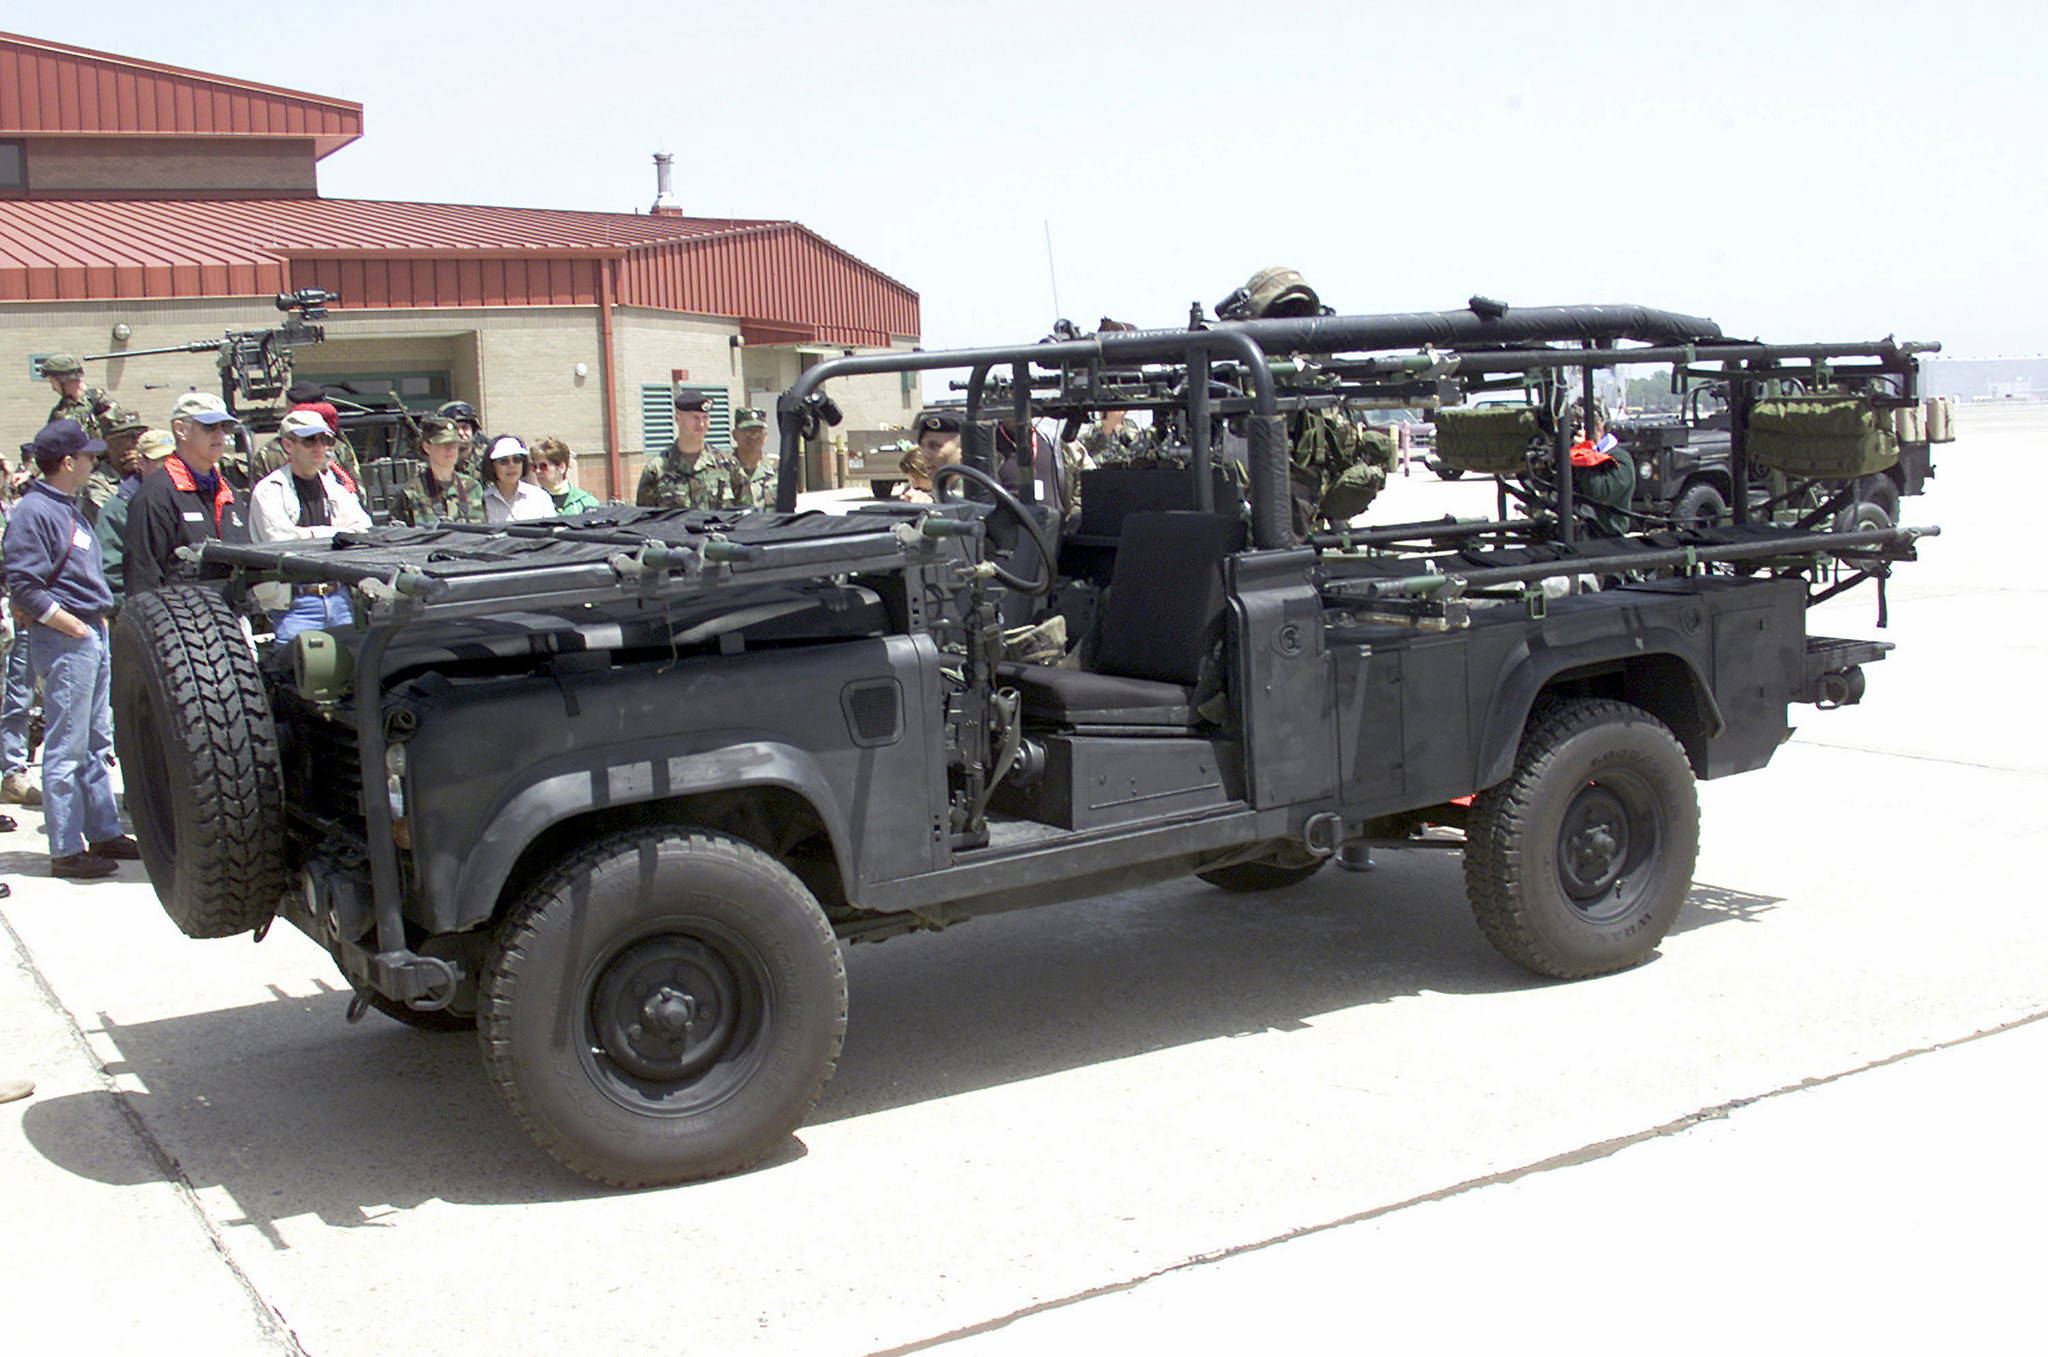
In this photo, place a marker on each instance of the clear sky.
(1795, 170)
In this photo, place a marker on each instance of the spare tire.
(199, 756)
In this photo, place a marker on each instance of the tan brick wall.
(178, 166)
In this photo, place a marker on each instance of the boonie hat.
(65, 438)
(936, 421)
(203, 407)
(508, 446)
(693, 400)
(156, 445)
(62, 365)
(305, 424)
(749, 419)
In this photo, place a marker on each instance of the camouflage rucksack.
(1338, 467)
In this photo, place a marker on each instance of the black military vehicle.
(615, 789)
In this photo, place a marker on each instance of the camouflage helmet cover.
(1272, 291)
(62, 365)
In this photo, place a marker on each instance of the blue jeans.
(313, 612)
(78, 735)
(15, 702)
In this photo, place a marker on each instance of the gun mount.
(255, 365)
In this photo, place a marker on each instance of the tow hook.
(1322, 834)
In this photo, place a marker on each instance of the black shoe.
(83, 867)
(123, 848)
(7, 825)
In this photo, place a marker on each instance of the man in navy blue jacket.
(60, 597)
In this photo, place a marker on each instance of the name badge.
(194, 516)
(81, 539)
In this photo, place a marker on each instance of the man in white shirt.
(303, 500)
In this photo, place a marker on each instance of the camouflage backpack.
(1338, 467)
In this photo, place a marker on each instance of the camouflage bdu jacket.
(1127, 446)
(460, 501)
(758, 485)
(711, 481)
(88, 408)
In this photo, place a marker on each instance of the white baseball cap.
(508, 446)
(305, 424)
(203, 407)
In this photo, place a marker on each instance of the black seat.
(1160, 622)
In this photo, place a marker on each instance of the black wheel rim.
(674, 1019)
(1609, 844)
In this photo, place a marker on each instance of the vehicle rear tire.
(1248, 877)
(193, 730)
(1579, 862)
(1700, 505)
(664, 1006)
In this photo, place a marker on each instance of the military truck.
(1682, 461)
(614, 790)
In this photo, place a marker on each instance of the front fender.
(462, 889)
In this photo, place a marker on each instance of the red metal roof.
(382, 254)
(47, 88)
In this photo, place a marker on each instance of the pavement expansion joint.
(268, 1319)
(1570, 1158)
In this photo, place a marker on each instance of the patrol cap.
(937, 421)
(116, 422)
(508, 446)
(305, 424)
(62, 365)
(693, 400)
(203, 407)
(749, 419)
(62, 438)
(156, 445)
(434, 430)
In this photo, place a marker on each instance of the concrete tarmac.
(1305, 1121)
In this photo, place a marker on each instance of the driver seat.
(1161, 620)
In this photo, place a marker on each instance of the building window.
(13, 167)
(658, 416)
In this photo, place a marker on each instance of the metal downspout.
(606, 294)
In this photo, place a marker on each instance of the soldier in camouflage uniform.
(749, 449)
(1114, 441)
(689, 475)
(75, 400)
(120, 461)
(442, 494)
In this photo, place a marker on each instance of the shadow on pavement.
(292, 1112)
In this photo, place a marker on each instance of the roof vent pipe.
(665, 204)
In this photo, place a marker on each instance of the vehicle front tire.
(1578, 864)
(664, 1006)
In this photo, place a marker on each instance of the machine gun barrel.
(195, 346)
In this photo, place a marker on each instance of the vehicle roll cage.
(1259, 371)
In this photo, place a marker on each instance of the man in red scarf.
(184, 501)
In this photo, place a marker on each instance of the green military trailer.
(614, 790)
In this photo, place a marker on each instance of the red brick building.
(142, 205)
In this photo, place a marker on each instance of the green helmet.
(62, 365)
